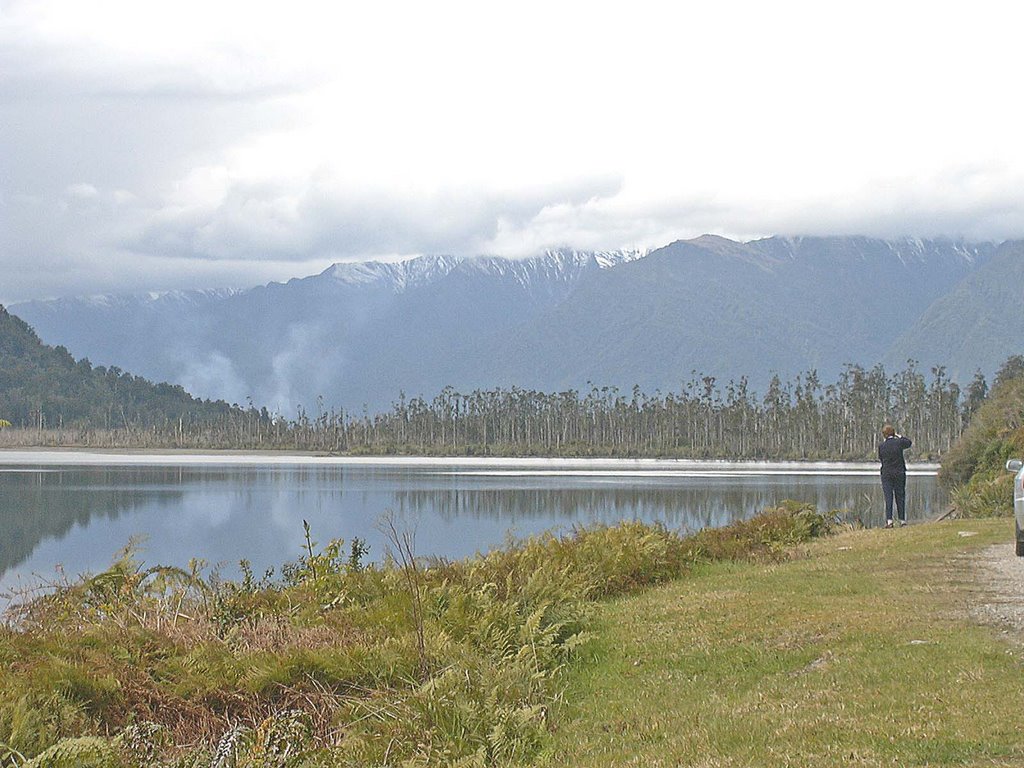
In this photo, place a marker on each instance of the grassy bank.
(857, 653)
(332, 662)
(757, 644)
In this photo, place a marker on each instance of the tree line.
(799, 418)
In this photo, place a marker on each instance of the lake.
(77, 510)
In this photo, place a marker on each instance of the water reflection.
(682, 505)
(80, 516)
(38, 504)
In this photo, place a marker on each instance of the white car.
(1016, 465)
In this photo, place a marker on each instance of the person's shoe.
(888, 523)
(901, 522)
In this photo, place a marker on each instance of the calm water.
(78, 510)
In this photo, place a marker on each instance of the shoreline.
(10, 457)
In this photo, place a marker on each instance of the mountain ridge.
(359, 333)
(745, 309)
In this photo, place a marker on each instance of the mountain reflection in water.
(80, 516)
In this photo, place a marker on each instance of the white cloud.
(82, 190)
(163, 145)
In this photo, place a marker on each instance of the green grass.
(858, 653)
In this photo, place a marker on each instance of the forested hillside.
(45, 387)
(977, 324)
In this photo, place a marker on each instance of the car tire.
(1019, 548)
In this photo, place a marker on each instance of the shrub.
(995, 434)
(769, 535)
(975, 466)
(986, 494)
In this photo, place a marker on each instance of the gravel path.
(998, 594)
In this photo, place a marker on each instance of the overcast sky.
(150, 145)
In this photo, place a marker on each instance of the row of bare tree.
(800, 418)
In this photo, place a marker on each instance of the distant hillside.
(738, 309)
(43, 385)
(977, 325)
(359, 334)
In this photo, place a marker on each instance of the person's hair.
(888, 430)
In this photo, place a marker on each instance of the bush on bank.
(332, 663)
(975, 467)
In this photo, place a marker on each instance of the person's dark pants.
(895, 486)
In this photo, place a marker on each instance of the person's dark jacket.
(890, 453)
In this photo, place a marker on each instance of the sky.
(157, 145)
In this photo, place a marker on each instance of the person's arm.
(905, 442)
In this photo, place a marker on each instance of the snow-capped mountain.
(285, 344)
(360, 333)
(397, 276)
(563, 266)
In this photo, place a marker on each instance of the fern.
(143, 742)
(228, 748)
(83, 752)
(278, 740)
(516, 733)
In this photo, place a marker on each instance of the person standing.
(894, 473)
